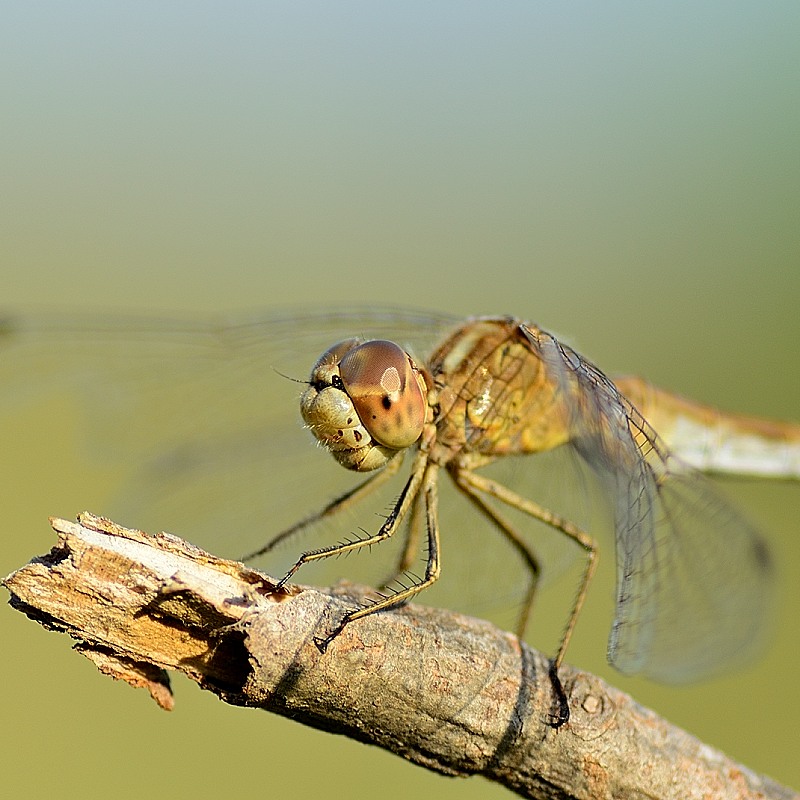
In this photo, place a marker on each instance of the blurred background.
(624, 174)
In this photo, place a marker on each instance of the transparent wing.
(693, 576)
(198, 417)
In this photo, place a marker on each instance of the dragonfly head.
(365, 402)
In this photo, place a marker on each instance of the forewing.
(200, 417)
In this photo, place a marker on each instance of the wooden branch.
(448, 692)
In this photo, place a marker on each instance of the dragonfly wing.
(196, 415)
(702, 583)
(693, 576)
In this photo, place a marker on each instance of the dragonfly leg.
(350, 498)
(522, 547)
(432, 569)
(494, 489)
(389, 527)
(411, 546)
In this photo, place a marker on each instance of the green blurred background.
(626, 174)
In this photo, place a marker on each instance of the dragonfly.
(693, 576)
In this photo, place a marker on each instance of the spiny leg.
(411, 546)
(386, 530)
(350, 498)
(528, 556)
(505, 495)
(429, 490)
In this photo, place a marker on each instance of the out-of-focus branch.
(448, 692)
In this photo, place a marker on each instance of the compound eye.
(330, 359)
(386, 390)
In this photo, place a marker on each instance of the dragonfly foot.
(560, 702)
(322, 642)
(285, 579)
